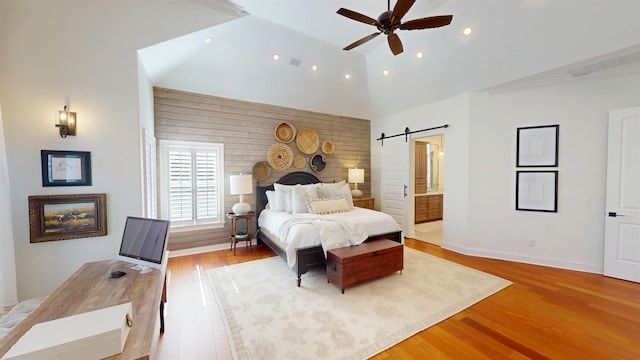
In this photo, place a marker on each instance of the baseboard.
(534, 260)
(204, 249)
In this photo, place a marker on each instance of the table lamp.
(356, 176)
(241, 185)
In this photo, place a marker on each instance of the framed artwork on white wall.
(537, 191)
(537, 146)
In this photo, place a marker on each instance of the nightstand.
(234, 238)
(364, 202)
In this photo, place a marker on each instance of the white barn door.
(394, 179)
(622, 225)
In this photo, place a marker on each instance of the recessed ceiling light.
(419, 55)
(208, 40)
(385, 72)
(314, 67)
(276, 57)
(347, 76)
(467, 31)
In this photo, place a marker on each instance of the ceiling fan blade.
(401, 8)
(361, 41)
(395, 44)
(357, 16)
(426, 23)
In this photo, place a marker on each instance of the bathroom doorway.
(428, 188)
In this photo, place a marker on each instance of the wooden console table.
(90, 289)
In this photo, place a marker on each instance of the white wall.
(574, 236)
(480, 157)
(87, 51)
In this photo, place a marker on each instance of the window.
(192, 183)
(150, 188)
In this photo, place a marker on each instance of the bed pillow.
(328, 206)
(283, 197)
(344, 191)
(299, 199)
(324, 190)
(271, 199)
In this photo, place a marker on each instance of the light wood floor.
(546, 314)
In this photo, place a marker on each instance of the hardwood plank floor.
(547, 313)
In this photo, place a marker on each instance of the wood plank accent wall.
(247, 131)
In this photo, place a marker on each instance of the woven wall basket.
(299, 162)
(285, 132)
(327, 147)
(261, 170)
(280, 156)
(307, 141)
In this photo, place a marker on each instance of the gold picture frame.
(62, 217)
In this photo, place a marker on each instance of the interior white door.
(394, 178)
(622, 225)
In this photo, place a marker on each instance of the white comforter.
(330, 231)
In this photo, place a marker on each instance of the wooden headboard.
(298, 177)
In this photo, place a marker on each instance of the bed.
(310, 256)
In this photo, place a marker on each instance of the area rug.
(268, 317)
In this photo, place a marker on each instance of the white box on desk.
(92, 335)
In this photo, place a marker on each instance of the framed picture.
(537, 191)
(538, 146)
(60, 217)
(65, 168)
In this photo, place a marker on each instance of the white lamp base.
(356, 193)
(241, 208)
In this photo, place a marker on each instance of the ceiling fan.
(389, 21)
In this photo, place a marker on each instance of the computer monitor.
(144, 242)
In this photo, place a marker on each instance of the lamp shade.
(241, 184)
(356, 176)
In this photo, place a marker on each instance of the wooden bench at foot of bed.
(353, 265)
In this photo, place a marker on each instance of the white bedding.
(302, 230)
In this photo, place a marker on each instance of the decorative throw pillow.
(328, 206)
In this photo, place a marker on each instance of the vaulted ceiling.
(512, 43)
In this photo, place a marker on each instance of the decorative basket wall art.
(327, 147)
(318, 163)
(285, 132)
(307, 141)
(261, 170)
(280, 156)
(299, 162)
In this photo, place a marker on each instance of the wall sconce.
(240, 185)
(356, 176)
(66, 121)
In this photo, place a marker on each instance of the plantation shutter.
(180, 181)
(194, 185)
(206, 180)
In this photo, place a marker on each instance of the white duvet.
(331, 231)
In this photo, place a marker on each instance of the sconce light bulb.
(63, 115)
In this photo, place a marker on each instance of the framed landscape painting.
(60, 217)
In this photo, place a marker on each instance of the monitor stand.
(142, 268)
